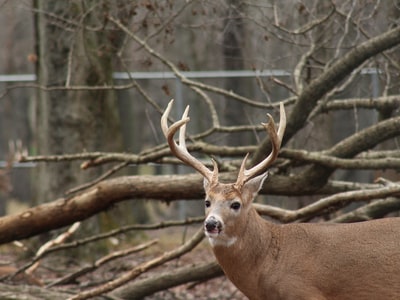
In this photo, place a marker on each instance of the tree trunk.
(71, 121)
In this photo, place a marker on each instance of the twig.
(188, 246)
(43, 251)
(283, 84)
(57, 241)
(306, 27)
(211, 106)
(357, 25)
(117, 254)
(345, 33)
(67, 88)
(94, 238)
(97, 180)
(336, 90)
(184, 79)
(300, 67)
(124, 229)
(161, 27)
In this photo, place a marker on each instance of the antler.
(276, 140)
(180, 151)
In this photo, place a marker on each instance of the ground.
(60, 264)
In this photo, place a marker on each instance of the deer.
(296, 261)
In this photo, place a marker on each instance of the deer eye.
(235, 205)
(207, 203)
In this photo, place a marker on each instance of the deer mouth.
(215, 231)
(212, 227)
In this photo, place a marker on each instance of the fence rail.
(10, 78)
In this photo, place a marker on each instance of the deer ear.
(253, 186)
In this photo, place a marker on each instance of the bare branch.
(66, 88)
(340, 163)
(375, 210)
(158, 282)
(333, 75)
(299, 69)
(56, 241)
(380, 103)
(106, 259)
(97, 237)
(97, 180)
(316, 176)
(182, 77)
(188, 246)
(328, 204)
(307, 27)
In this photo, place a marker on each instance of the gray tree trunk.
(73, 121)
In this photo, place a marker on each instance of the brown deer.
(357, 261)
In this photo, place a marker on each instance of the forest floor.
(60, 264)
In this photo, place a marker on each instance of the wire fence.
(178, 96)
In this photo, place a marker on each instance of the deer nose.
(212, 225)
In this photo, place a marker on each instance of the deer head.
(226, 204)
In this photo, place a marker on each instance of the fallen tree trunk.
(65, 211)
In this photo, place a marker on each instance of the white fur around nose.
(216, 217)
(220, 239)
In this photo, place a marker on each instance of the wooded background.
(81, 140)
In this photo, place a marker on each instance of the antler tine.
(276, 140)
(180, 151)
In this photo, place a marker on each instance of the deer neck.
(257, 244)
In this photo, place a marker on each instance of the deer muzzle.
(212, 225)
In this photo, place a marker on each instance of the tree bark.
(316, 175)
(72, 121)
(65, 211)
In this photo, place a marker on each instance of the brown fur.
(307, 261)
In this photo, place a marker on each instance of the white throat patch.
(222, 241)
